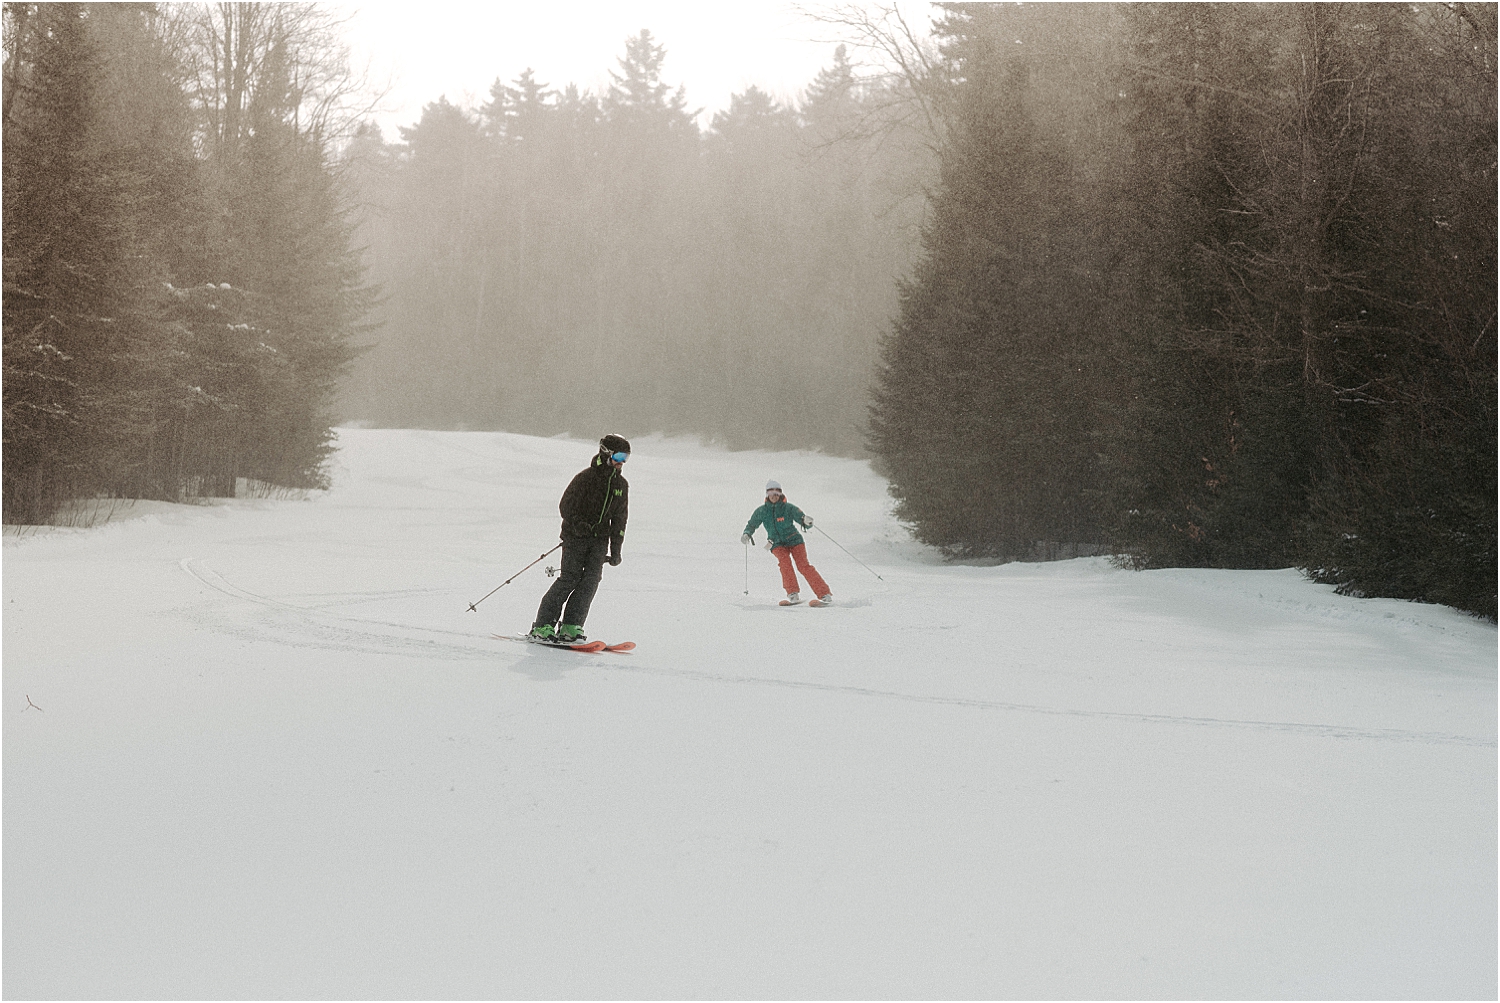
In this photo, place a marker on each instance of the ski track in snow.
(347, 633)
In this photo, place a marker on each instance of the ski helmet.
(612, 443)
(773, 485)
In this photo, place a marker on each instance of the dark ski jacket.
(780, 521)
(595, 504)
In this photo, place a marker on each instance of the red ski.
(588, 647)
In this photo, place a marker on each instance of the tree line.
(180, 291)
(1208, 285)
(1198, 284)
(561, 261)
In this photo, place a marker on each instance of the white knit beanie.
(773, 484)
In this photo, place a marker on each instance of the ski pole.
(473, 605)
(747, 569)
(839, 545)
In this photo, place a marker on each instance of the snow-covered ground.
(263, 749)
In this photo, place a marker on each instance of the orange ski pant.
(785, 556)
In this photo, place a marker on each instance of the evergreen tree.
(291, 293)
(82, 305)
(517, 114)
(1237, 314)
(831, 94)
(1404, 501)
(179, 284)
(639, 101)
(1299, 166)
(987, 411)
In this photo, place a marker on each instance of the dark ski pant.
(577, 581)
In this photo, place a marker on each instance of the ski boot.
(543, 632)
(571, 633)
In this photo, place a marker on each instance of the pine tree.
(82, 310)
(639, 100)
(279, 292)
(1318, 387)
(831, 94)
(517, 114)
(1404, 502)
(986, 413)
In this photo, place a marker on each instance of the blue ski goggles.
(619, 457)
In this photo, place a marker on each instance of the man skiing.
(593, 512)
(780, 517)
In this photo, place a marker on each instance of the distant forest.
(563, 261)
(1211, 285)
(179, 286)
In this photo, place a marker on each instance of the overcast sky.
(457, 50)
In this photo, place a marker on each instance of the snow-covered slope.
(263, 749)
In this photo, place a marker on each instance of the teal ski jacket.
(780, 521)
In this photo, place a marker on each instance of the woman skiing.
(780, 517)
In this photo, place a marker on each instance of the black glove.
(614, 560)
